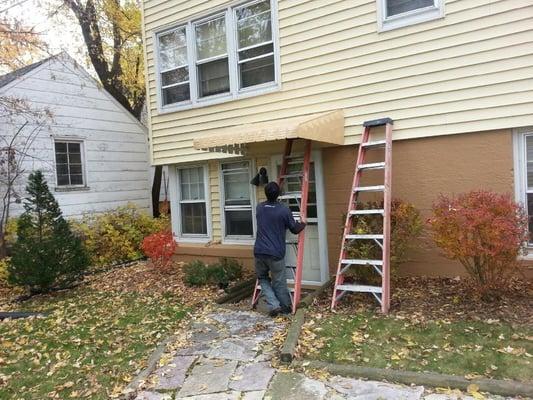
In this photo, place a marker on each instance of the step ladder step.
(360, 288)
(360, 261)
(377, 165)
(377, 188)
(369, 236)
(375, 143)
(290, 196)
(367, 212)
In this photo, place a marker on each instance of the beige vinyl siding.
(469, 72)
(214, 187)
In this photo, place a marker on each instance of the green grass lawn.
(469, 349)
(90, 345)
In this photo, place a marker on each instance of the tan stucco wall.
(423, 168)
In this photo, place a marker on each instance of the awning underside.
(326, 128)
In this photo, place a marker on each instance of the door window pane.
(395, 7)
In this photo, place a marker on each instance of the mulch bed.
(426, 298)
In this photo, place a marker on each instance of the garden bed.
(96, 337)
(434, 325)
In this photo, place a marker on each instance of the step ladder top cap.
(378, 122)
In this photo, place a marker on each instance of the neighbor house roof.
(11, 76)
(325, 128)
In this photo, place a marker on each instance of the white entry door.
(315, 248)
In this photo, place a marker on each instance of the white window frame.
(176, 200)
(63, 139)
(408, 18)
(520, 173)
(237, 239)
(231, 34)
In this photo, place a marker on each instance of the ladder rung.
(378, 188)
(365, 236)
(290, 196)
(378, 165)
(360, 288)
(357, 261)
(376, 143)
(367, 212)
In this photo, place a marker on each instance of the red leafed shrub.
(159, 247)
(485, 232)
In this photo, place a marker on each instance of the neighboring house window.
(69, 163)
(192, 201)
(237, 200)
(174, 67)
(528, 189)
(219, 57)
(398, 13)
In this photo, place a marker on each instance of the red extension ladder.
(382, 266)
(299, 199)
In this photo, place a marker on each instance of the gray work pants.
(273, 287)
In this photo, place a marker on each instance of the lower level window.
(192, 199)
(69, 165)
(237, 200)
(529, 184)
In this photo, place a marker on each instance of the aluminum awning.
(326, 128)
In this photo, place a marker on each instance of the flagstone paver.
(228, 357)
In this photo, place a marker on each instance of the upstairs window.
(69, 163)
(255, 45)
(212, 57)
(218, 58)
(174, 67)
(394, 14)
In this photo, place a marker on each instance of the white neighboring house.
(94, 152)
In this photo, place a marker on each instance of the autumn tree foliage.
(159, 247)
(485, 231)
(47, 254)
(20, 44)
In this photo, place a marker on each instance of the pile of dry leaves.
(445, 299)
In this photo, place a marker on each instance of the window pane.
(213, 77)
(256, 51)
(193, 218)
(74, 148)
(254, 24)
(192, 183)
(256, 72)
(61, 158)
(74, 158)
(211, 38)
(62, 180)
(176, 94)
(62, 169)
(75, 168)
(395, 7)
(76, 179)
(239, 222)
(529, 156)
(173, 49)
(175, 76)
(237, 188)
(61, 147)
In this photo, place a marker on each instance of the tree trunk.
(156, 189)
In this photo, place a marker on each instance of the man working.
(273, 220)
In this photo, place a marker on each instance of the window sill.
(67, 189)
(219, 99)
(236, 241)
(193, 240)
(411, 18)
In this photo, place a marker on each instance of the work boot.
(275, 312)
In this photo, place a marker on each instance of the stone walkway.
(229, 354)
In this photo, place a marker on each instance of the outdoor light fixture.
(261, 178)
